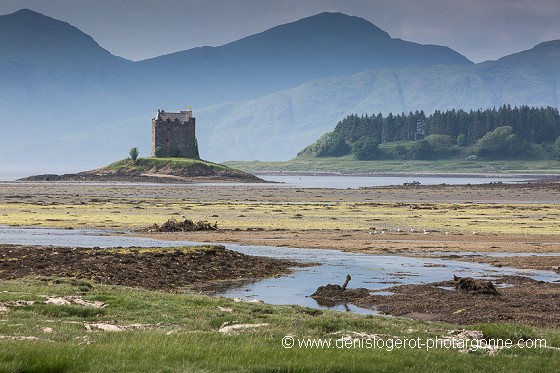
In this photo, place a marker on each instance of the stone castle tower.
(173, 135)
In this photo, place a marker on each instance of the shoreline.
(409, 174)
(163, 179)
(437, 245)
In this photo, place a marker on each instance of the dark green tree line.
(441, 130)
(530, 124)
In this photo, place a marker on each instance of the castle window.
(167, 141)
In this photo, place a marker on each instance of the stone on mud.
(474, 285)
(187, 225)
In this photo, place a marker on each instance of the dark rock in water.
(327, 290)
(477, 286)
(339, 293)
(335, 292)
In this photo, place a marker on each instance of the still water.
(344, 182)
(375, 272)
(333, 181)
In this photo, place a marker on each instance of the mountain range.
(67, 103)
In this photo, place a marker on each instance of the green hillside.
(503, 140)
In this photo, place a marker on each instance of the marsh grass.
(60, 311)
(457, 217)
(181, 335)
(182, 249)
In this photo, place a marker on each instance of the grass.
(182, 249)
(182, 336)
(348, 165)
(133, 214)
(146, 164)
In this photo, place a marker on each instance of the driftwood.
(348, 278)
(477, 286)
(187, 225)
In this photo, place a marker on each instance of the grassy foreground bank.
(167, 332)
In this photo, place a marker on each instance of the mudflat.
(170, 269)
(437, 221)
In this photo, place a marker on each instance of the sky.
(139, 29)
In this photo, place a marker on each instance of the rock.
(477, 286)
(230, 328)
(239, 300)
(60, 301)
(339, 293)
(57, 301)
(115, 328)
(187, 225)
(105, 327)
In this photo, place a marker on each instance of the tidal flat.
(431, 220)
(500, 224)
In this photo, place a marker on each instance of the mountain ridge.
(480, 86)
(327, 44)
(25, 32)
(89, 113)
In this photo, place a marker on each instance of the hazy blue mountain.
(324, 45)
(30, 37)
(68, 103)
(52, 75)
(286, 121)
(528, 77)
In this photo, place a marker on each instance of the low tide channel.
(375, 272)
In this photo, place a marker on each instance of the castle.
(173, 135)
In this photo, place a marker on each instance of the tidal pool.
(375, 272)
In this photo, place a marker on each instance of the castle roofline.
(182, 116)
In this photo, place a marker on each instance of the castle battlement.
(182, 116)
(173, 135)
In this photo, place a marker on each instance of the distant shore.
(531, 177)
(410, 174)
